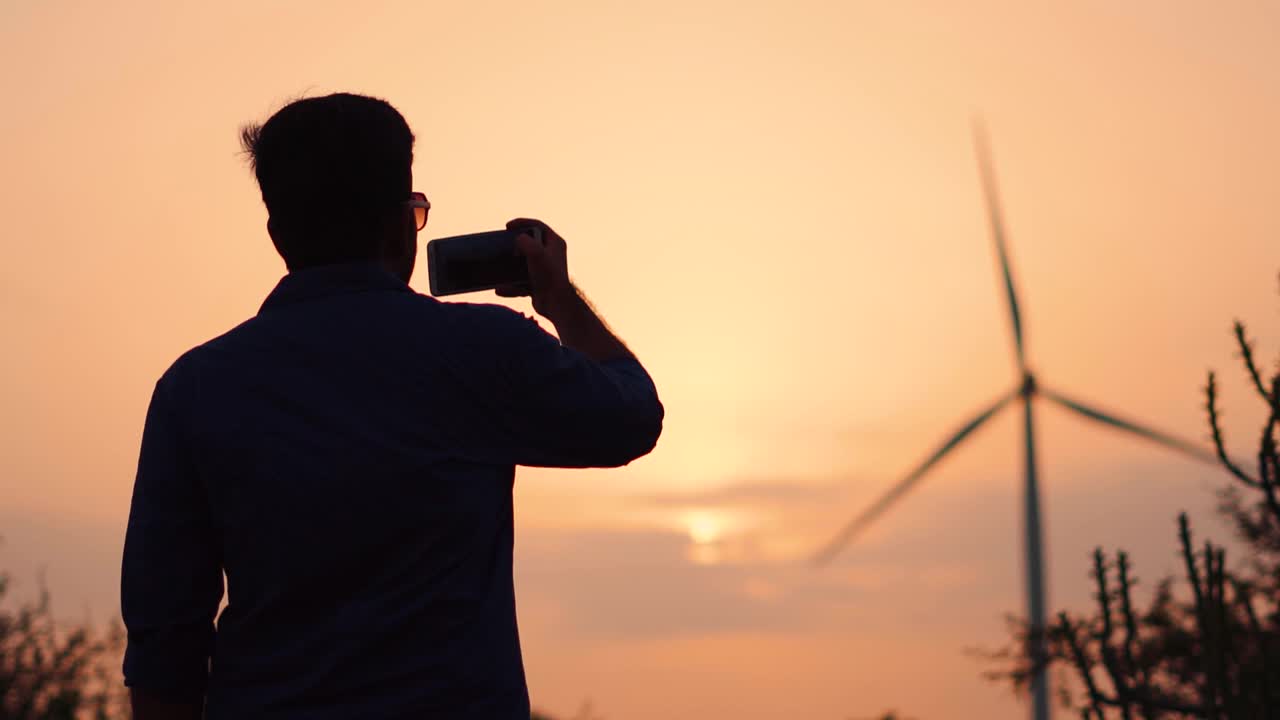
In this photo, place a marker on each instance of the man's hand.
(555, 297)
(549, 284)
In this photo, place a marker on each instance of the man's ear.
(410, 232)
(272, 231)
(399, 233)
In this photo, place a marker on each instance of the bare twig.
(1107, 632)
(1207, 691)
(1082, 663)
(1211, 405)
(1188, 557)
(1215, 560)
(1246, 352)
(1141, 674)
(1268, 462)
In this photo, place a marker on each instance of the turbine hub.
(1028, 385)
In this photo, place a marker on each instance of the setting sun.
(705, 527)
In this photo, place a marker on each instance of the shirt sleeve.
(551, 406)
(171, 575)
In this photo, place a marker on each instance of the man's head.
(335, 174)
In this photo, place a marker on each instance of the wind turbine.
(1026, 390)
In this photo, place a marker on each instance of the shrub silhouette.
(1212, 651)
(49, 672)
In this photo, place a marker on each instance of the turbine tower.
(1026, 390)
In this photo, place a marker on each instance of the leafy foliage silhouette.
(49, 672)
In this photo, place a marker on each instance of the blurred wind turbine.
(1026, 390)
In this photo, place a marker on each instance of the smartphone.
(478, 261)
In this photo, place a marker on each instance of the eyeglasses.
(421, 205)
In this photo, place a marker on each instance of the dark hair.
(332, 169)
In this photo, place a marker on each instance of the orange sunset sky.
(777, 206)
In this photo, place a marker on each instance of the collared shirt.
(346, 458)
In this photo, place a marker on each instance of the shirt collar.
(327, 280)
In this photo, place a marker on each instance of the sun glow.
(704, 527)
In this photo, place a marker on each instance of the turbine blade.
(996, 217)
(1184, 446)
(866, 517)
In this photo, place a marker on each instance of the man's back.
(347, 457)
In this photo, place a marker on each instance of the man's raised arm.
(583, 400)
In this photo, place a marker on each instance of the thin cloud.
(619, 585)
(753, 493)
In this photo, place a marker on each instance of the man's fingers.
(525, 224)
(518, 290)
(545, 255)
(528, 246)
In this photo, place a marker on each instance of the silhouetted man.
(347, 456)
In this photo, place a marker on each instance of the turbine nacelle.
(1029, 386)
